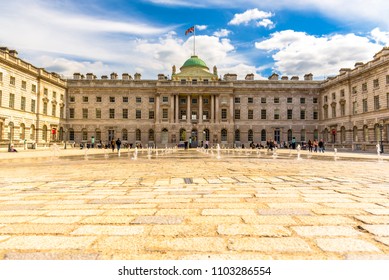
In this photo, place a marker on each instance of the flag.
(190, 30)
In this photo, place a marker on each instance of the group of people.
(315, 145)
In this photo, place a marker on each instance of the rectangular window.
(333, 96)
(276, 100)
(23, 104)
(194, 100)
(290, 114)
(302, 114)
(111, 113)
(54, 94)
(72, 99)
(354, 90)
(315, 115)
(194, 82)
(237, 114)
(45, 108)
(355, 104)
(364, 87)
(205, 100)
(151, 100)
(61, 112)
(342, 93)
(165, 114)
(314, 100)
(376, 102)
(183, 114)
(12, 81)
(263, 100)
(125, 113)
(376, 83)
(71, 113)
(11, 100)
(84, 113)
(125, 99)
(250, 114)
(138, 100)
(112, 99)
(165, 99)
(98, 113)
(263, 114)
(183, 82)
(62, 97)
(98, 99)
(71, 135)
(237, 100)
(364, 105)
(194, 115)
(289, 100)
(205, 82)
(46, 92)
(182, 100)
(53, 110)
(224, 114)
(33, 105)
(325, 113)
(24, 85)
(151, 115)
(85, 99)
(333, 111)
(302, 100)
(250, 100)
(276, 114)
(342, 109)
(325, 98)
(33, 88)
(138, 114)
(205, 115)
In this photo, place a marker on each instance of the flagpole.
(194, 39)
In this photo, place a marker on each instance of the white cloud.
(266, 23)
(201, 27)
(380, 37)
(298, 53)
(249, 16)
(222, 33)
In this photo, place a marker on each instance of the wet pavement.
(193, 204)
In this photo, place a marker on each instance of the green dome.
(194, 61)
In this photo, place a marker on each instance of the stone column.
(217, 113)
(200, 109)
(177, 97)
(212, 108)
(171, 112)
(188, 112)
(231, 114)
(157, 119)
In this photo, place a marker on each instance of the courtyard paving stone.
(191, 205)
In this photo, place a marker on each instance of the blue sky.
(240, 36)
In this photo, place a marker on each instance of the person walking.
(321, 146)
(118, 143)
(315, 144)
(310, 145)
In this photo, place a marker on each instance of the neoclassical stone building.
(349, 110)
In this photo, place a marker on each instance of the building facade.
(349, 110)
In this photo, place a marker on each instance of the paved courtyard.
(188, 204)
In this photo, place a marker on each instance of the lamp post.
(381, 143)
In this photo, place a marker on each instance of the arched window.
(315, 134)
(365, 133)
(250, 135)
(32, 132)
(182, 134)
(355, 134)
(60, 134)
(22, 131)
(84, 133)
(71, 134)
(151, 135)
(138, 135)
(98, 135)
(206, 134)
(44, 133)
(124, 134)
(263, 135)
(164, 136)
(224, 135)
(342, 134)
(237, 135)
(290, 135)
(377, 132)
(303, 135)
(325, 135)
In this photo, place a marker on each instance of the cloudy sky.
(240, 36)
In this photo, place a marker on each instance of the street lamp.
(381, 143)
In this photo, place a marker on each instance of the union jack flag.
(190, 30)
